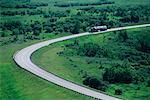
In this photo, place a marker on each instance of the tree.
(134, 17)
(37, 28)
(48, 29)
(94, 83)
(118, 92)
(36, 32)
(143, 43)
(3, 34)
(148, 83)
(16, 31)
(122, 35)
(76, 28)
(92, 50)
(118, 75)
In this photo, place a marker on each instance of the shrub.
(95, 83)
(118, 92)
(48, 29)
(11, 25)
(143, 43)
(76, 28)
(3, 34)
(143, 62)
(16, 32)
(122, 35)
(148, 83)
(118, 75)
(91, 50)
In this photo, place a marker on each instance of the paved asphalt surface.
(23, 59)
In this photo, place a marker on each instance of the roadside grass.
(16, 83)
(73, 68)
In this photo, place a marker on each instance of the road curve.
(23, 59)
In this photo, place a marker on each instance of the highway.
(23, 59)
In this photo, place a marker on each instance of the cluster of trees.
(69, 25)
(97, 10)
(22, 5)
(143, 43)
(134, 56)
(18, 28)
(118, 75)
(140, 42)
(129, 65)
(25, 12)
(91, 50)
(12, 3)
(125, 14)
(95, 83)
(10, 25)
(85, 18)
(58, 14)
(31, 5)
(36, 28)
(133, 14)
(68, 22)
(83, 4)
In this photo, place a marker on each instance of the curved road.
(23, 59)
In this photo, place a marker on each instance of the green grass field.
(74, 67)
(18, 84)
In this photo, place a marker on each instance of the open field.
(74, 67)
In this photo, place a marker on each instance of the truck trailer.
(98, 28)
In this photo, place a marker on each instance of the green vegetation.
(30, 17)
(17, 83)
(37, 20)
(93, 61)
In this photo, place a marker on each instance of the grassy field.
(18, 84)
(73, 68)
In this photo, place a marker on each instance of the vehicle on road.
(98, 28)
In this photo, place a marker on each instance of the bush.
(48, 29)
(91, 50)
(118, 92)
(11, 25)
(16, 32)
(143, 43)
(122, 35)
(148, 83)
(37, 28)
(3, 34)
(76, 28)
(118, 75)
(143, 62)
(95, 83)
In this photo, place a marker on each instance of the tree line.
(83, 4)
(22, 5)
(25, 12)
